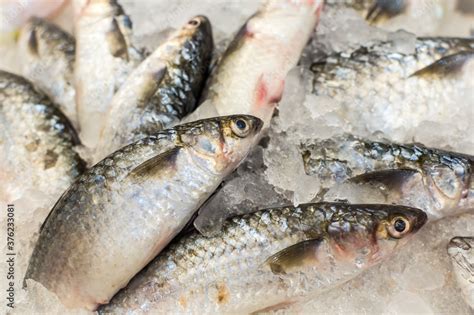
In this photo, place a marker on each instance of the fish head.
(451, 185)
(224, 141)
(395, 225)
(365, 234)
(196, 36)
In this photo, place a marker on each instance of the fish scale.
(189, 278)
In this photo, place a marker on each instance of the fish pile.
(141, 155)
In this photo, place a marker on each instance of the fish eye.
(240, 127)
(399, 226)
(194, 22)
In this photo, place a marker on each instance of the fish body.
(250, 77)
(164, 88)
(461, 251)
(389, 90)
(124, 210)
(267, 259)
(441, 181)
(36, 141)
(47, 53)
(104, 58)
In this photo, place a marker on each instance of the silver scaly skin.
(461, 251)
(267, 259)
(446, 178)
(104, 59)
(388, 89)
(124, 210)
(47, 54)
(36, 141)
(163, 89)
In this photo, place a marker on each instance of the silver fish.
(104, 58)
(389, 90)
(440, 181)
(250, 77)
(268, 259)
(36, 141)
(47, 57)
(124, 210)
(164, 88)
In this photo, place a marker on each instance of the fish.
(163, 89)
(396, 92)
(267, 259)
(440, 181)
(47, 57)
(461, 252)
(123, 211)
(16, 13)
(104, 58)
(250, 77)
(37, 141)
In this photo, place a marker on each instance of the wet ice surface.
(418, 279)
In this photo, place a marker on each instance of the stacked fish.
(166, 128)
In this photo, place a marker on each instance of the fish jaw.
(250, 79)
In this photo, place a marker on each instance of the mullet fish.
(47, 55)
(124, 210)
(268, 259)
(163, 89)
(104, 58)
(250, 77)
(442, 182)
(36, 141)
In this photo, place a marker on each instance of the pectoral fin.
(294, 256)
(446, 66)
(156, 166)
(392, 179)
